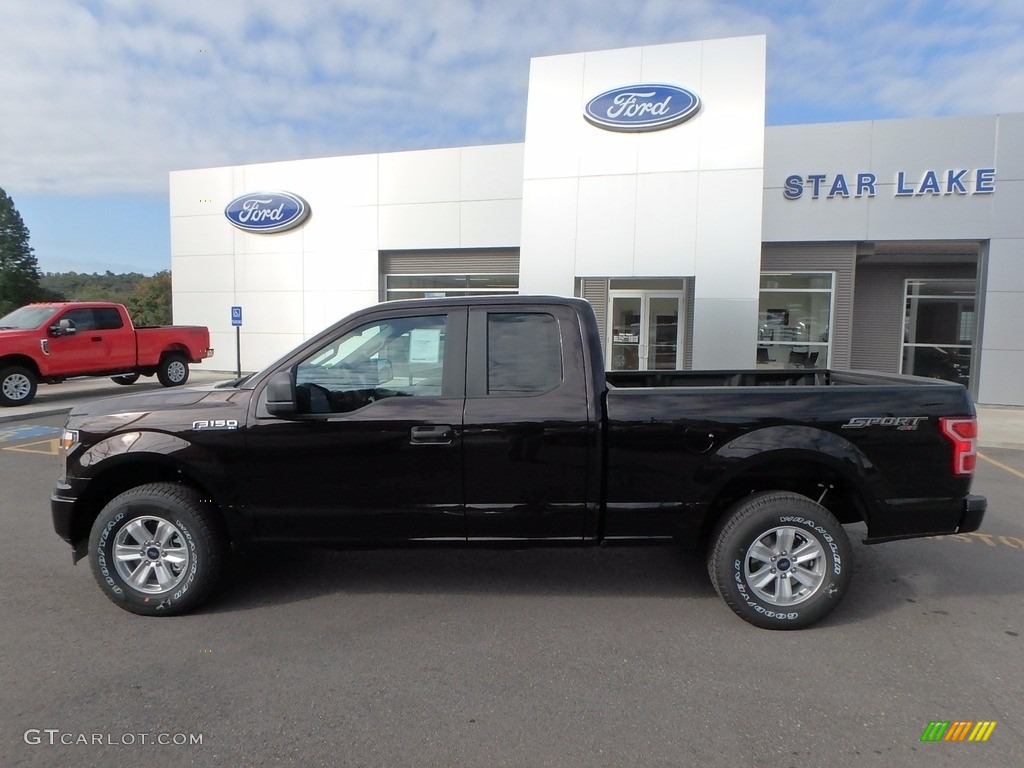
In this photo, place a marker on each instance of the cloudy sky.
(102, 98)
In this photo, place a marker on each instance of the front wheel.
(156, 551)
(173, 370)
(17, 386)
(780, 560)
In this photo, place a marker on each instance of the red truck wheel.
(780, 560)
(173, 370)
(17, 386)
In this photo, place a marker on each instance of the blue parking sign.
(236, 316)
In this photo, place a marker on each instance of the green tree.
(150, 302)
(19, 270)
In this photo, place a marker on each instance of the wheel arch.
(121, 473)
(834, 473)
(22, 360)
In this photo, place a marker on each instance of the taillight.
(964, 435)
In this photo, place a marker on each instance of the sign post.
(236, 320)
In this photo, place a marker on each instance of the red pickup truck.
(55, 341)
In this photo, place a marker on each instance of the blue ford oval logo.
(645, 107)
(267, 211)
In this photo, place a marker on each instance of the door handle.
(97, 338)
(432, 434)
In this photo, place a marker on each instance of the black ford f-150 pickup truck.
(492, 420)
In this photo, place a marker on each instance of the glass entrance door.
(645, 332)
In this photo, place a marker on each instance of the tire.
(126, 379)
(17, 386)
(173, 370)
(751, 560)
(156, 551)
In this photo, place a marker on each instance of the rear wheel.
(17, 386)
(157, 550)
(780, 560)
(126, 379)
(173, 370)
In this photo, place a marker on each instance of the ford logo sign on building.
(267, 211)
(645, 107)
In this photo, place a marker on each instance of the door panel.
(530, 445)
(375, 454)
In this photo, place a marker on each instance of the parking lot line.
(1000, 464)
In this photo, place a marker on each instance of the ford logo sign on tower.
(645, 107)
(267, 211)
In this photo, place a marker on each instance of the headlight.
(68, 440)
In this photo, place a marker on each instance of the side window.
(524, 353)
(107, 319)
(81, 318)
(398, 357)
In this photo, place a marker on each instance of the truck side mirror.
(64, 328)
(281, 394)
(385, 370)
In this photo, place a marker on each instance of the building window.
(938, 332)
(441, 286)
(794, 319)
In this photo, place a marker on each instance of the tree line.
(148, 298)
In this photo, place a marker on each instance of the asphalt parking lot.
(615, 657)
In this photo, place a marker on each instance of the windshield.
(27, 318)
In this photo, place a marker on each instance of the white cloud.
(106, 97)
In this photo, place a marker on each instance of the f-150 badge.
(215, 424)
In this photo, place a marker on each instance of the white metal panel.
(930, 217)
(201, 235)
(268, 272)
(731, 120)
(434, 225)
(332, 184)
(606, 226)
(212, 309)
(602, 152)
(203, 274)
(341, 229)
(290, 241)
(353, 269)
(1004, 318)
(200, 193)
(666, 224)
(1006, 271)
(428, 176)
(999, 379)
(677, 148)
(271, 312)
(549, 236)
(1010, 137)
(1008, 208)
(490, 223)
(724, 333)
(553, 117)
(492, 172)
(916, 145)
(728, 236)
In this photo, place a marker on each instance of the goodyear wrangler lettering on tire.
(776, 568)
(156, 551)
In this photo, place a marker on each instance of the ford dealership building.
(647, 183)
